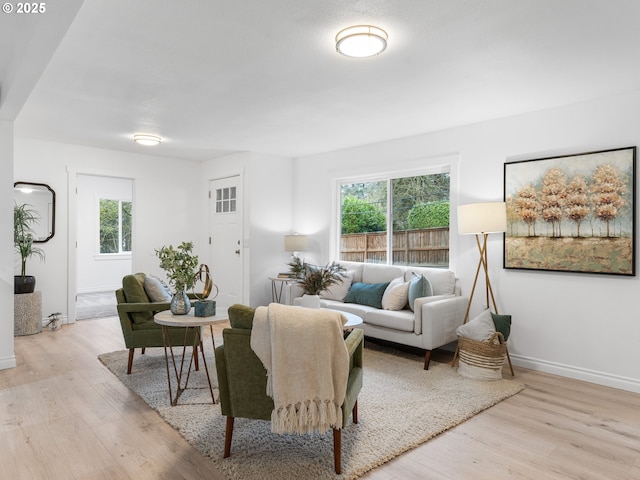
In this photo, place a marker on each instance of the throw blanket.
(307, 363)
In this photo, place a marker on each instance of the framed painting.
(572, 213)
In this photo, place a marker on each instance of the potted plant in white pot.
(181, 266)
(314, 279)
(24, 217)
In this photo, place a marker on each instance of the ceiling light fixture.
(145, 139)
(361, 41)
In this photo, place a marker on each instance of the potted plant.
(24, 217)
(181, 266)
(314, 279)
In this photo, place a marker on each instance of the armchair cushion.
(156, 290)
(133, 286)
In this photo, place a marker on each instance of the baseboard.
(7, 362)
(591, 376)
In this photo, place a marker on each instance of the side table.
(277, 284)
(27, 313)
(188, 321)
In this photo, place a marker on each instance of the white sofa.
(432, 325)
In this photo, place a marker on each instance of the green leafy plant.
(180, 264)
(429, 215)
(314, 279)
(24, 218)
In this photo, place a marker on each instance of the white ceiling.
(215, 77)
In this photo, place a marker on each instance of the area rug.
(400, 407)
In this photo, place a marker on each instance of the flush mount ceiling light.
(145, 139)
(361, 41)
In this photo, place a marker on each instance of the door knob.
(237, 252)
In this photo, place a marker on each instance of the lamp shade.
(488, 217)
(295, 243)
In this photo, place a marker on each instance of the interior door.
(225, 242)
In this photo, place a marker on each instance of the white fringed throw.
(307, 363)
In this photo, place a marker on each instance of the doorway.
(103, 242)
(226, 250)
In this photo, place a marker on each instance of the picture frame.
(572, 213)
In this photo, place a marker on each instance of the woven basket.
(488, 354)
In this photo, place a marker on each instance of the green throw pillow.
(241, 316)
(419, 287)
(133, 286)
(366, 294)
(503, 324)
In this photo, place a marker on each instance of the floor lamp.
(481, 219)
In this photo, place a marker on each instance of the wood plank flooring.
(64, 416)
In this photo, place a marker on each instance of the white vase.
(311, 301)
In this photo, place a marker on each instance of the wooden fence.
(423, 247)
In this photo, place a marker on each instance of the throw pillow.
(395, 296)
(366, 294)
(419, 287)
(340, 289)
(156, 290)
(480, 328)
(502, 324)
(133, 286)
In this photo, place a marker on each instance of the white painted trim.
(7, 362)
(591, 376)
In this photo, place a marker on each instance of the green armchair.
(136, 312)
(242, 379)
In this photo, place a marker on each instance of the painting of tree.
(572, 213)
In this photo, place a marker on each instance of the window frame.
(120, 252)
(445, 167)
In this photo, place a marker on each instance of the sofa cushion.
(378, 273)
(396, 294)
(241, 316)
(419, 287)
(156, 289)
(133, 286)
(355, 267)
(480, 328)
(340, 289)
(402, 320)
(366, 293)
(502, 324)
(443, 281)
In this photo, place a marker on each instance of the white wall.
(267, 195)
(99, 273)
(165, 205)
(579, 325)
(7, 357)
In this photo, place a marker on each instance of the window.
(414, 209)
(226, 200)
(115, 226)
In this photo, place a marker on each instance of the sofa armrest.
(292, 290)
(439, 319)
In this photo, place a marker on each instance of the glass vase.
(180, 303)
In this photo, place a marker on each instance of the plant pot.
(311, 301)
(26, 284)
(180, 303)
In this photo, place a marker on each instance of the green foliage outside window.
(115, 226)
(429, 215)
(359, 216)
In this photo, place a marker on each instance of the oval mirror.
(42, 199)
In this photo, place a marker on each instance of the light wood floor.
(64, 416)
